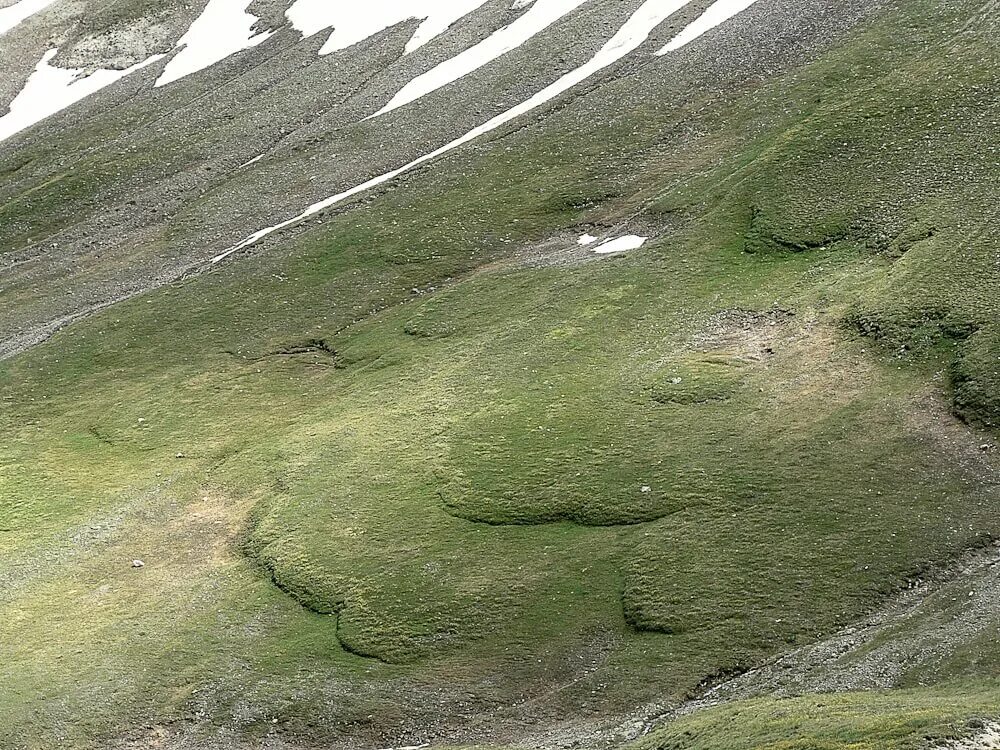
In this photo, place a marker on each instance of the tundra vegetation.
(426, 469)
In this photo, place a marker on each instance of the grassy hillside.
(430, 465)
(909, 719)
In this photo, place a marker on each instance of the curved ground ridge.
(20, 12)
(50, 90)
(918, 627)
(629, 38)
(355, 22)
(541, 15)
(223, 29)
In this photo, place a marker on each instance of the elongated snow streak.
(19, 12)
(252, 161)
(621, 244)
(718, 13)
(223, 29)
(629, 38)
(354, 21)
(50, 90)
(543, 14)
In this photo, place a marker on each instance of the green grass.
(895, 720)
(595, 484)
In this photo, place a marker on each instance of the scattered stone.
(986, 739)
(138, 564)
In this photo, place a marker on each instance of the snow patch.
(251, 161)
(223, 29)
(629, 37)
(353, 22)
(586, 239)
(50, 90)
(19, 12)
(718, 13)
(621, 244)
(542, 14)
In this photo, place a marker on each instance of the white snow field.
(621, 244)
(539, 17)
(353, 22)
(223, 29)
(19, 12)
(717, 13)
(50, 90)
(586, 239)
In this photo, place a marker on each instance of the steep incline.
(643, 343)
(201, 49)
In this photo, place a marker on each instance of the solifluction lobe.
(608, 373)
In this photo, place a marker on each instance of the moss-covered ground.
(397, 474)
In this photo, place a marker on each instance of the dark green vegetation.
(897, 720)
(393, 470)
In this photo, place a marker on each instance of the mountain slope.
(424, 467)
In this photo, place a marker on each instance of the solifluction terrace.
(492, 373)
